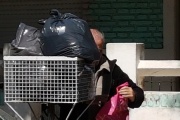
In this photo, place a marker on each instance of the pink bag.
(116, 108)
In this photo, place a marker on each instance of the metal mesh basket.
(47, 79)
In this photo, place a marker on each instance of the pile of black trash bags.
(61, 35)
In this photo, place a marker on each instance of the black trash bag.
(27, 42)
(68, 35)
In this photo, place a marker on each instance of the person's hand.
(127, 92)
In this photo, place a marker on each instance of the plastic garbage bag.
(27, 41)
(68, 35)
(116, 108)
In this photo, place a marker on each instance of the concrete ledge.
(159, 68)
(158, 106)
(155, 114)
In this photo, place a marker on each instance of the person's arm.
(119, 78)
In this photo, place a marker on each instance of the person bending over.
(108, 75)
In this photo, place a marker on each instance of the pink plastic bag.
(116, 108)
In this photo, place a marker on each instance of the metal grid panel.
(50, 81)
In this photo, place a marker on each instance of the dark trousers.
(76, 112)
(64, 109)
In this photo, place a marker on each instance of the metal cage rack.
(48, 79)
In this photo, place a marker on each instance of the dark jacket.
(112, 77)
(119, 77)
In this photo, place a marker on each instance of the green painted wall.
(120, 20)
(128, 20)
